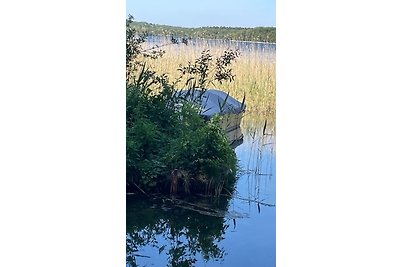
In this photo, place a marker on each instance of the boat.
(214, 102)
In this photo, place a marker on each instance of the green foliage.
(203, 157)
(257, 34)
(204, 72)
(169, 147)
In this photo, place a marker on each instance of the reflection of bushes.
(188, 233)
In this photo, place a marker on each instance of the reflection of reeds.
(253, 123)
(258, 163)
(254, 72)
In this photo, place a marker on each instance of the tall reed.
(254, 71)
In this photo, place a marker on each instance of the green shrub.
(169, 147)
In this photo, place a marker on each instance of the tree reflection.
(179, 230)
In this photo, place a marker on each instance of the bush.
(169, 147)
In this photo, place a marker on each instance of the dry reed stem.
(255, 72)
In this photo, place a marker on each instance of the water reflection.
(175, 231)
(233, 231)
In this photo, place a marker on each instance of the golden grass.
(254, 69)
(252, 122)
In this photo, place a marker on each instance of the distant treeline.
(258, 34)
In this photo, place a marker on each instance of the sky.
(198, 13)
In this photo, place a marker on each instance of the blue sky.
(197, 13)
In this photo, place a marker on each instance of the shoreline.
(216, 39)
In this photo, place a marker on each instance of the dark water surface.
(227, 231)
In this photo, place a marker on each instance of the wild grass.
(252, 122)
(254, 71)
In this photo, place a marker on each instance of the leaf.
(161, 249)
(221, 106)
(243, 101)
(265, 127)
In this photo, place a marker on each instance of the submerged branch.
(143, 256)
(255, 201)
(141, 190)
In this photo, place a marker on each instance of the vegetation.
(170, 148)
(254, 70)
(257, 34)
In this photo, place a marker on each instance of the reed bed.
(252, 121)
(254, 70)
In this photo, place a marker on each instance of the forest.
(257, 34)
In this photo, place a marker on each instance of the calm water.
(262, 49)
(228, 231)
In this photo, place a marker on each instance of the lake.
(234, 231)
(267, 50)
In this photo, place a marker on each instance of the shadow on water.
(237, 230)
